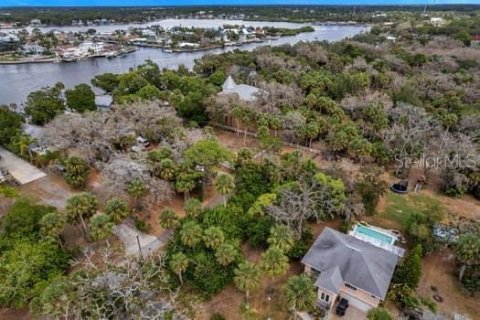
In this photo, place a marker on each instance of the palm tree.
(247, 119)
(282, 237)
(237, 112)
(274, 262)
(81, 207)
(467, 250)
(117, 209)
(22, 143)
(213, 237)
(51, 225)
(185, 183)
(101, 226)
(191, 234)
(224, 184)
(193, 207)
(226, 254)
(167, 169)
(137, 189)
(179, 264)
(247, 278)
(169, 219)
(275, 124)
(76, 172)
(300, 294)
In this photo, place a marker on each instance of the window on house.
(350, 287)
(324, 297)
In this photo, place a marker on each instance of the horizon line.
(241, 5)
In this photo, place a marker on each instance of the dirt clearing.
(440, 271)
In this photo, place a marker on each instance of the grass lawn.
(8, 192)
(400, 208)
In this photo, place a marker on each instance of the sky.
(76, 3)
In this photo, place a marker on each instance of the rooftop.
(342, 258)
(245, 92)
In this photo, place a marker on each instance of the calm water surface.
(17, 81)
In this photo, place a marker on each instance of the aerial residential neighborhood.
(239, 162)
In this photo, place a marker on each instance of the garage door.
(355, 302)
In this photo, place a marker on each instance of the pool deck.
(377, 242)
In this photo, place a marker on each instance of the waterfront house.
(103, 101)
(33, 48)
(35, 23)
(345, 266)
(188, 45)
(90, 47)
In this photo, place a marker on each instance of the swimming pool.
(374, 234)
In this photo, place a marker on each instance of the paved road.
(21, 170)
(148, 243)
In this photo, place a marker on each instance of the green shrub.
(207, 275)
(9, 192)
(141, 225)
(217, 316)
(429, 303)
(258, 231)
(379, 314)
(301, 246)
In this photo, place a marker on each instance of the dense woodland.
(371, 100)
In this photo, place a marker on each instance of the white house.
(90, 46)
(244, 92)
(33, 48)
(437, 21)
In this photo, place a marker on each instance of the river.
(17, 81)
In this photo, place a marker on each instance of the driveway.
(352, 313)
(51, 190)
(21, 170)
(148, 243)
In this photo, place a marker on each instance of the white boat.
(111, 54)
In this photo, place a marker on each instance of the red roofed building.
(476, 40)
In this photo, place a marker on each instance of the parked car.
(142, 141)
(342, 307)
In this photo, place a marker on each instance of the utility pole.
(139, 249)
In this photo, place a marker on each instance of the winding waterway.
(17, 81)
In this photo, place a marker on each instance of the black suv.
(342, 307)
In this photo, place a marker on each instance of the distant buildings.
(36, 23)
(9, 41)
(437, 21)
(8, 37)
(33, 49)
(475, 40)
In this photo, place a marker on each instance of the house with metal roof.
(244, 92)
(344, 266)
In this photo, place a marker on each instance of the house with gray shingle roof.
(244, 92)
(344, 266)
